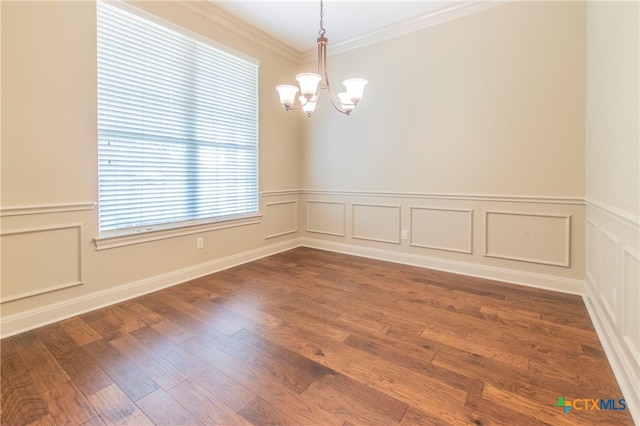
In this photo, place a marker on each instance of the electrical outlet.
(199, 242)
(405, 234)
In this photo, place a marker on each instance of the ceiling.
(296, 22)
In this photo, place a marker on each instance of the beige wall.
(470, 137)
(613, 186)
(50, 265)
(491, 103)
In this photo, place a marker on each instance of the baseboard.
(529, 279)
(622, 369)
(18, 323)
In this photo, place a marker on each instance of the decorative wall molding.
(468, 223)
(620, 358)
(72, 275)
(280, 228)
(529, 279)
(277, 193)
(566, 244)
(630, 295)
(621, 216)
(452, 196)
(592, 230)
(155, 233)
(46, 208)
(433, 196)
(386, 228)
(608, 275)
(454, 11)
(612, 292)
(14, 324)
(229, 21)
(326, 217)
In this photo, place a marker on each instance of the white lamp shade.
(346, 102)
(308, 84)
(287, 94)
(355, 88)
(308, 106)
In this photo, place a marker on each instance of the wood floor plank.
(207, 376)
(315, 338)
(155, 367)
(115, 408)
(21, 399)
(355, 402)
(129, 378)
(204, 406)
(68, 406)
(79, 331)
(266, 384)
(44, 369)
(260, 412)
(85, 374)
(162, 409)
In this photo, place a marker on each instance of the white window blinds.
(177, 127)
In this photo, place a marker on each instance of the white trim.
(78, 281)
(238, 26)
(18, 323)
(453, 196)
(456, 10)
(628, 253)
(452, 249)
(567, 239)
(612, 310)
(619, 359)
(276, 193)
(295, 220)
(618, 215)
(380, 240)
(529, 279)
(105, 242)
(316, 231)
(46, 208)
(534, 199)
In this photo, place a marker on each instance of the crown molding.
(430, 19)
(237, 25)
(229, 21)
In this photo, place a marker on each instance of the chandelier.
(310, 83)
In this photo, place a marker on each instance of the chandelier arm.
(335, 101)
(323, 70)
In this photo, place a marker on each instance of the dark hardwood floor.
(316, 338)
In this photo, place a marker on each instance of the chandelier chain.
(322, 30)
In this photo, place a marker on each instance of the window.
(177, 127)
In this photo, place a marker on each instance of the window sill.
(145, 235)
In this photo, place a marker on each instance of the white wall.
(613, 187)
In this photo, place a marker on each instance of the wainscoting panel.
(608, 276)
(528, 237)
(630, 299)
(442, 229)
(281, 218)
(49, 259)
(376, 222)
(612, 292)
(326, 217)
(591, 259)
